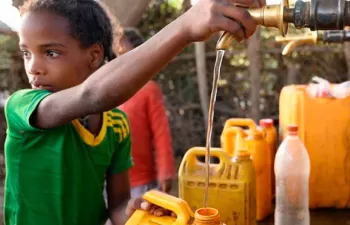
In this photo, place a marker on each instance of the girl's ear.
(96, 56)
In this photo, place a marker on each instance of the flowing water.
(216, 76)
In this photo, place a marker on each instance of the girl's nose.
(35, 67)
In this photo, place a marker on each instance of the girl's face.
(53, 59)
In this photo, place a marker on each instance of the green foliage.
(177, 4)
(8, 43)
(158, 15)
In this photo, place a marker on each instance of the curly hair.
(89, 21)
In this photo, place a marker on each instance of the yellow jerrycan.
(271, 138)
(184, 215)
(258, 148)
(236, 122)
(231, 184)
(324, 128)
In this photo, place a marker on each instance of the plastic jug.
(292, 168)
(324, 128)
(258, 147)
(235, 122)
(184, 215)
(271, 138)
(231, 184)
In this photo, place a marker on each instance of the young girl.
(65, 135)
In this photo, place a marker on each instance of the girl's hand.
(210, 16)
(139, 203)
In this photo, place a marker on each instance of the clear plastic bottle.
(292, 171)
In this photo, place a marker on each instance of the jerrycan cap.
(207, 216)
(266, 123)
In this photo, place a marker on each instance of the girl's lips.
(42, 86)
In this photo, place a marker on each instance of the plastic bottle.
(292, 171)
(271, 138)
(271, 134)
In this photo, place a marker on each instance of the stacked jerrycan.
(258, 147)
(324, 128)
(231, 183)
(271, 138)
(184, 215)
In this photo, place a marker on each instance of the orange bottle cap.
(292, 128)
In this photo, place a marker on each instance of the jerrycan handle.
(192, 154)
(241, 122)
(176, 205)
(229, 134)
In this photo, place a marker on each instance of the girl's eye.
(26, 54)
(52, 54)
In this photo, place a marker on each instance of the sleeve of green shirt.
(121, 159)
(20, 107)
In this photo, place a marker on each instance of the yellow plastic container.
(271, 138)
(324, 128)
(231, 184)
(184, 215)
(259, 149)
(239, 122)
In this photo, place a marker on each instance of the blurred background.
(253, 72)
(252, 75)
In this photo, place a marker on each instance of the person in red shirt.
(150, 134)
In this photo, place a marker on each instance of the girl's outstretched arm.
(117, 81)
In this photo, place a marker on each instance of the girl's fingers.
(133, 205)
(236, 21)
(145, 206)
(249, 3)
(240, 17)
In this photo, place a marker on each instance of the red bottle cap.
(292, 128)
(266, 123)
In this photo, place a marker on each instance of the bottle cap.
(292, 128)
(266, 123)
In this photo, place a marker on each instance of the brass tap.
(268, 16)
(297, 40)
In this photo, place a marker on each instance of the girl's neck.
(92, 123)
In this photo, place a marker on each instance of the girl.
(65, 135)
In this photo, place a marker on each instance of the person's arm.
(118, 187)
(118, 192)
(161, 137)
(118, 80)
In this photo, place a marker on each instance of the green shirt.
(56, 176)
